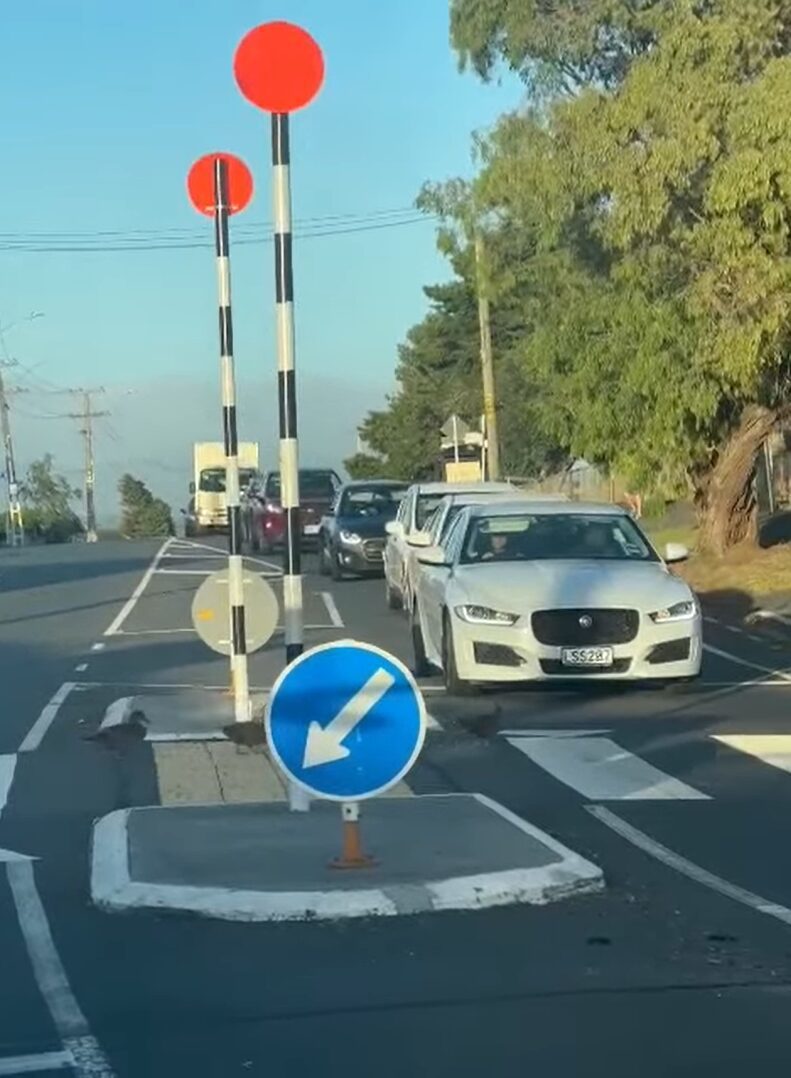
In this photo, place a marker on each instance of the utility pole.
(15, 532)
(487, 362)
(87, 416)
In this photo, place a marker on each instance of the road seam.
(688, 868)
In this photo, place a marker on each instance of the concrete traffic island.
(261, 862)
(183, 715)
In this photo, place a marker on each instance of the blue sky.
(104, 107)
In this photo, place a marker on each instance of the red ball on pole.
(279, 67)
(200, 183)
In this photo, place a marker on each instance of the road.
(685, 957)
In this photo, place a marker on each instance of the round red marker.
(279, 67)
(200, 183)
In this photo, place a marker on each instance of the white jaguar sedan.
(540, 590)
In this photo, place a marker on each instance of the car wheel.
(394, 601)
(324, 561)
(421, 666)
(336, 571)
(454, 685)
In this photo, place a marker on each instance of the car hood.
(521, 587)
(367, 527)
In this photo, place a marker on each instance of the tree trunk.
(728, 509)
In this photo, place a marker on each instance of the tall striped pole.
(239, 675)
(286, 387)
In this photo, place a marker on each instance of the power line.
(165, 244)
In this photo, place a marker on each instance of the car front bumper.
(363, 558)
(494, 653)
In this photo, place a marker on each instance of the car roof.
(548, 508)
(464, 488)
(367, 484)
(483, 497)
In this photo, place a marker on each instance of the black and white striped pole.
(279, 68)
(231, 189)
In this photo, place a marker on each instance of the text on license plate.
(311, 529)
(586, 656)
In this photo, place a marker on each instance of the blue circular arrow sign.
(346, 721)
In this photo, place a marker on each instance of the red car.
(265, 523)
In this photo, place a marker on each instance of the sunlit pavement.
(681, 796)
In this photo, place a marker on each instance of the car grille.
(373, 549)
(579, 628)
(671, 651)
(556, 668)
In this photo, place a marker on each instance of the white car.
(529, 590)
(438, 525)
(420, 502)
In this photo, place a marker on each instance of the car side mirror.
(433, 555)
(420, 539)
(676, 552)
(395, 528)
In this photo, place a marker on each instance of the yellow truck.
(208, 509)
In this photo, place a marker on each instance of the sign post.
(219, 185)
(279, 68)
(345, 722)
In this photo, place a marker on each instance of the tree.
(47, 498)
(142, 515)
(366, 466)
(654, 184)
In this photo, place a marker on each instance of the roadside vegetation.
(636, 224)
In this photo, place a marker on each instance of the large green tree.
(142, 515)
(47, 502)
(654, 182)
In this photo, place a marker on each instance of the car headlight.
(682, 611)
(484, 615)
(350, 537)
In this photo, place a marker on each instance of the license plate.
(586, 656)
(312, 529)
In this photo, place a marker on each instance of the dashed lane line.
(332, 609)
(782, 674)
(49, 712)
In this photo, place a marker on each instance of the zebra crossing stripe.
(772, 749)
(601, 770)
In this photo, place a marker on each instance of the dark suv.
(265, 520)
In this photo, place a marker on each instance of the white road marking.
(7, 768)
(773, 749)
(87, 1058)
(98, 647)
(44, 1061)
(431, 722)
(169, 632)
(324, 744)
(129, 605)
(770, 615)
(746, 663)
(38, 730)
(600, 769)
(332, 609)
(81, 668)
(553, 733)
(688, 868)
(271, 575)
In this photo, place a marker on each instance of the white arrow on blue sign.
(346, 721)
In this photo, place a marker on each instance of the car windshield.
(311, 485)
(371, 502)
(212, 480)
(555, 537)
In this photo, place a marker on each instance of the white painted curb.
(117, 714)
(113, 890)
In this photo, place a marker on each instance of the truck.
(208, 508)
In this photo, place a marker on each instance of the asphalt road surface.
(681, 967)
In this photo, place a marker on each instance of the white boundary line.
(688, 868)
(7, 768)
(129, 605)
(746, 662)
(38, 730)
(87, 1058)
(332, 609)
(44, 1061)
